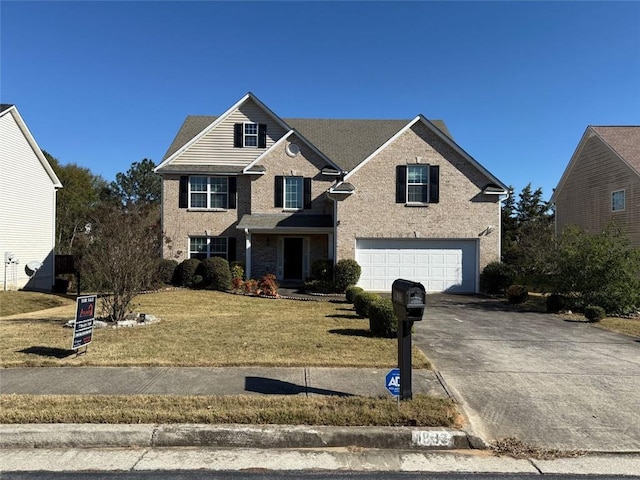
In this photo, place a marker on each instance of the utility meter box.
(409, 300)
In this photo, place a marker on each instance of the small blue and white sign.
(392, 382)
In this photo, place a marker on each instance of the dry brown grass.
(14, 302)
(628, 326)
(206, 328)
(294, 410)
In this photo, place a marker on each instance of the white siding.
(27, 209)
(216, 147)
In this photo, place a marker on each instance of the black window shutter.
(262, 135)
(232, 182)
(401, 184)
(434, 183)
(231, 249)
(183, 194)
(237, 135)
(279, 188)
(307, 193)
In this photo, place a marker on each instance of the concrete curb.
(241, 436)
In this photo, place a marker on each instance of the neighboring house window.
(208, 193)
(618, 201)
(292, 193)
(206, 247)
(250, 135)
(417, 184)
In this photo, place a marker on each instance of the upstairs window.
(251, 135)
(207, 193)
(417, 184)
(618, 201)
(292, 193)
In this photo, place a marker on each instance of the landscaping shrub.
(184, 275)
(351, 292)
(166, 270)
(251, 286)
(556, 303)
(237, 276)
(382, 320)
(347, 273)
(517, 294)
(322, 270)
(496, 277)
(268, 285)
(362, 301)
(594, 313)
(215, 274)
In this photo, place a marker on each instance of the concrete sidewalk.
(208, 381)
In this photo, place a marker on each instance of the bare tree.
(122, 257)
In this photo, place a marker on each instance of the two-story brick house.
(399, 196)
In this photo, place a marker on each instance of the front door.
(293, 254)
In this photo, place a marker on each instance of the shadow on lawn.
(270, 386)
(48, 352)
(352, 332)
(348, 317)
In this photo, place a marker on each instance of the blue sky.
(105, 84)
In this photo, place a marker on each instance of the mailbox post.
(409, 299)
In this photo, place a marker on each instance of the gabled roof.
(6, 109)
(345, 142)
(623, 141)
(217, 120)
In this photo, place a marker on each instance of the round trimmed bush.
(351, 292)
(347, 273)
(166, 270)
(517, 294)
(361, 302)
(594, 313)
(382, 320)
(556, 303)
(496, 277)
(216, 274)
(185, 273)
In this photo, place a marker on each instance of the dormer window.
(250, 135)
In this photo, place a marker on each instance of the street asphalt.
(534, 376)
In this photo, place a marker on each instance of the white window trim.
(253, 135)
(284, 193)
(208, 194)
(624, 200)
(208, 239)
(426, 184)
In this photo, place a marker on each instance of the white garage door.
(440, 265)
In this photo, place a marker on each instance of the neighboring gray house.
(28, 187)
(399, 196)
(601, 184)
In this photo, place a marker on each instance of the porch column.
(247, 250)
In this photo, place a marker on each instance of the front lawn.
(14, 302)
(206, 328)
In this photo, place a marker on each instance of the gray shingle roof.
(624, 140)
(273, 221)
(5, 106)
(345, 142)
(197, 169)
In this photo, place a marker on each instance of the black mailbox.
(409, 299)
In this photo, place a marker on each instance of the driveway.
(534, 376)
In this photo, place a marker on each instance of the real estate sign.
(85, 315)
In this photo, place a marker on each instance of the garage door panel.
(440, 265)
